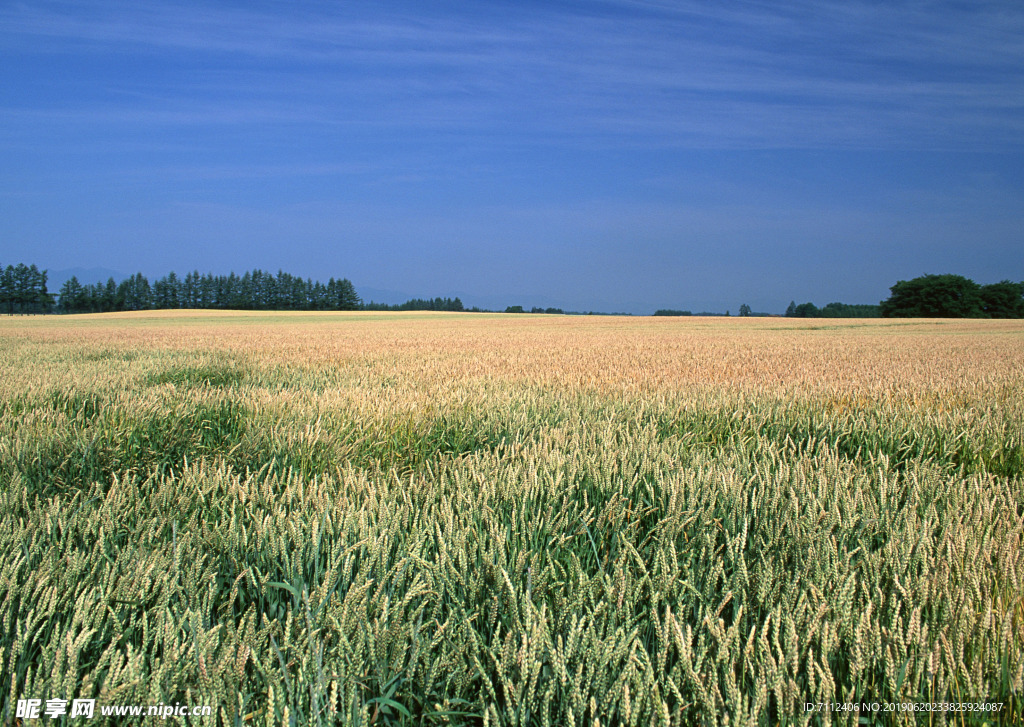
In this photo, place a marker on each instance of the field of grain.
(358, 518)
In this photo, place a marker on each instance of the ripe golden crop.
(511, 519)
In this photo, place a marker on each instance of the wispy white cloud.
(629, 72)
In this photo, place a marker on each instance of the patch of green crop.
(189, 376)
(99, 440)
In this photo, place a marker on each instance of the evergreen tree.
(246, 293)
(347, 298)
(43, 299)
(228, 294)
(7, 295)
(23, 290)
(134, 293)
(110, 300)
(72, 296)
(94, 298)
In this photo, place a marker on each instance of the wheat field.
(382, 518)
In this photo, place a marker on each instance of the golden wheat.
(516, 520)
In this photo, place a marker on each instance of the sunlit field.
(383, 518)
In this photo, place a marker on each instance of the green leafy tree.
(934, 296)
(1003, 300)
(744, 310)
(806, 310)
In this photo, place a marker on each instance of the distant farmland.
(387, 518)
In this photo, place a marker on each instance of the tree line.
(930, 296)
(833, 310)
(255, 290)
(23, 290)
(438, 304)
(953, 296)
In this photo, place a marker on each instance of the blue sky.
(620, 155)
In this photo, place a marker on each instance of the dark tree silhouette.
(934, 296)
(1003, 300)
(23, 290)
